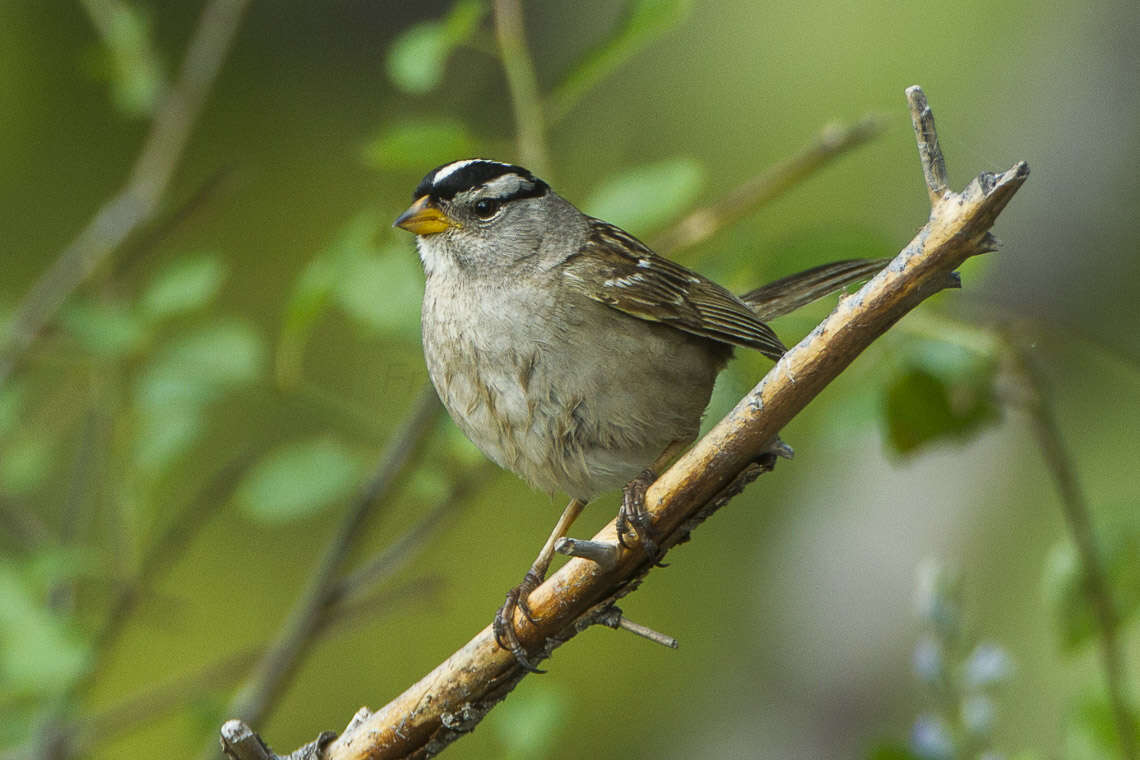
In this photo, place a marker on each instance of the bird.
(568, 351)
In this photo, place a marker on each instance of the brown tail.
(790, 293)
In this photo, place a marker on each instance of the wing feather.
(620, 271)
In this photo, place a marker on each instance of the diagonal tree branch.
(454, 697)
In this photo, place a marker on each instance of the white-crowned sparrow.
(568, 351)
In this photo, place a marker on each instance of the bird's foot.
(504, 623)
(633, 515)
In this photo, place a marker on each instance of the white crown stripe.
(455, 166)
(450, 169)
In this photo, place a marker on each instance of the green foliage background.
(276, 323)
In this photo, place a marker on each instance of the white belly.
(566, 406)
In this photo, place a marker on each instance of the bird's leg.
(633, 515)
(504, 624)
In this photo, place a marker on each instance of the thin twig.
(629, 37)
(137, 202)
(929, 151)
(135, 59)
(453, 698)
(279, 663)
(523, 84)
(833, 141)
(398, 553)
(80, 486)
(1078, 516)
(162, 228)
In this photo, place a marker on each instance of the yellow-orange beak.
(423, 218)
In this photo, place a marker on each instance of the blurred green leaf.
(40, 654)
(1091, 732)
(163, 435)
(645, 197)
(416, 145)
(918, 410)
(20, 723)
(1065, 591)
(55, 564)
(198, 367)
(299, 479)
(944, 392)
(105, 328)
(382, 290)
(25, 462)
(378, 288)
(131, 63)
(187, 284)
(529, 727)
(416, 59)
(463, 20)
(311, 292)
(645, 21)
(954, 362)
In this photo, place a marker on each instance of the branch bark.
(454, 697)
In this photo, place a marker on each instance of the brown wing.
(620, 271)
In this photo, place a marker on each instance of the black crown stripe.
(474, 174)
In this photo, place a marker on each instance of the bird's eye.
(485, 208)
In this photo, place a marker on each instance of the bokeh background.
(194, 424)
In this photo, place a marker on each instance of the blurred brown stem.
(1078, 517)
(523, 84)
(136, 203)
(277, 666)
(161, 555)
(700, 225)
(164, 227)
